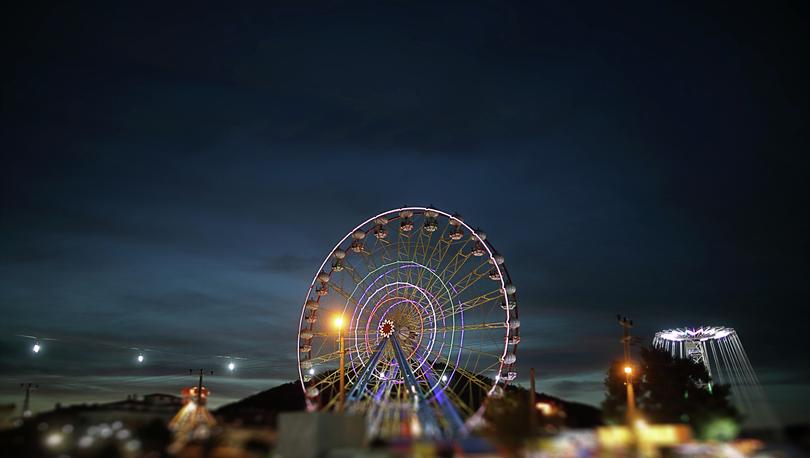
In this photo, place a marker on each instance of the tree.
(670, 390)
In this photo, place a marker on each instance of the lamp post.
(628, 369)
(626, 324)
(339, 325)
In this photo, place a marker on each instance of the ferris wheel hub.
(386, 328)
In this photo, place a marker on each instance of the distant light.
(36, 347)
(311, 371)
(628, 370)
(132, 445)
(444, 378)
(545, 408)
(338, 322)
(53, 439)
(85, 441)
(231, 366)
(140, 358)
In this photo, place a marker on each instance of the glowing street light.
(338, 322)
(36, 347)
(628, 370)
(231, 366)
(140, 358)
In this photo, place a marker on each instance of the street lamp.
(628, 370)
(338, 322)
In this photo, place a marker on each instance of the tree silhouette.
(669, 390)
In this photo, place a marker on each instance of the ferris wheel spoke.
(349, 268)
(471, 350)
(332, 356)
(469, 375)
(464, 283)
(469, 327)
(473, 303)
(455, 263)
(346, 295)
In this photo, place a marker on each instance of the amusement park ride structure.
(427, 312)
(720, 351)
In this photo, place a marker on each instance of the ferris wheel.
(411, 320)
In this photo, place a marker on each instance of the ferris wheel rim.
(503, 274)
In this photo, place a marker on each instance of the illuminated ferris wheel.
(425, 314)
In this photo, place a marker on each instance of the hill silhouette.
(263, 408)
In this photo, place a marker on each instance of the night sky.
(173, 176)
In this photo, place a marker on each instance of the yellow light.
(628, 370)
(641, 424)
(338, 322)
(545, 408)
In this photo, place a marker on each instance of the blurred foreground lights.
(231, 366)
(545, 408)
(133, 445)
(53, 439)
(85, 441)
(140, 358)
(123, 434)
(641, 424)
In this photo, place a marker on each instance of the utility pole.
(626, 324)
(26, 410)
(532, 404)
(199, 384)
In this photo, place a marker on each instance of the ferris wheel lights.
(390, 298)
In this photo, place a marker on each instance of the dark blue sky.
(172, 176)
